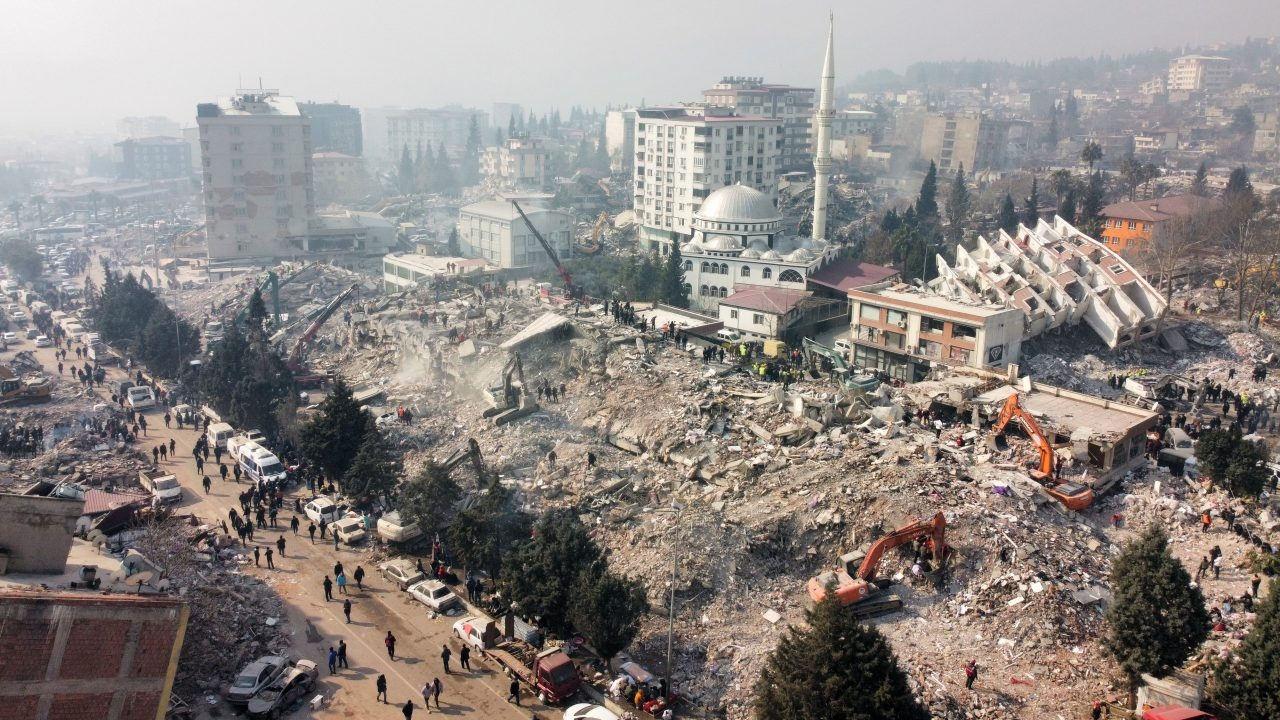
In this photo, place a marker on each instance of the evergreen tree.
(482, 534)
(447, 182)
(674, 292)
(1200, 184)
(891, 221)
(1242, 122)
(835, 669)
(334, 435)
(927, 202)
(247, 382)
(1248, 474)
(1072, 114)
(1031, 211)
(22, 258)
(454, 247)
(959, 205)
(1238, 186)
(1247, 686)
(585, 154)
(511, 125)
(470, 168)
(375, 470)
(607, 609)
(429, 498)
(1091, 207)
(540, 575)
(1007, 219)
(1214, 451)
(601, 162)
(167, 342)
(1052, 134)
(257, 309)
(647, 278)
(405, 179)
(424, 172)
(1062, 181)
(1157, 618)
(1067, 209)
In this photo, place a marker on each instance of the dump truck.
(163, 486)
(550, 672)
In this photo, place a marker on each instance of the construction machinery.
(1073, 495)
(573, 291)
(854, 582)
(294, 361)
(23, 390)
(511, 400)
(470, 452)
(592, 246)
(866, 382)
(269, 288)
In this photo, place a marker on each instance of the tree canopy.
(375, 470)
(132, 318)
(429, 498)
(246, 381)
(607, 608)
(1247, 686)
(22, 258)
(333, 437)
(1007, 219)
(540, 575)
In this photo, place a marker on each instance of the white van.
(259, 463)
(140, 396)
(218, 434)
(322, 508)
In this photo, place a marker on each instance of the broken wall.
(36, 531)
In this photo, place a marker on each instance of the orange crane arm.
(1011, 410)
(935, 527)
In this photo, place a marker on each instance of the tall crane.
(573, 291)
(295, 355)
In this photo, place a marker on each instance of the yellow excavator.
(592, 246)
(18, 390)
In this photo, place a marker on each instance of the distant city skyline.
(80, 65)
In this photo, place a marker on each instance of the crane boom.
(565, 277)
(315, 325)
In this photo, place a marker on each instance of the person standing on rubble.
(1203, 569)
(970, 674)
(270, 563)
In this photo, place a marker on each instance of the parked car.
(401, 572)
(470, 630)
(140, 396)
(294, 684)
(43, 341)
(255, 676)
(321, 508)
(349, 530)
(435, 595)
(589, 711)
(10, 338)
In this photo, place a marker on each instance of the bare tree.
(1251, 251)
(1172, 249)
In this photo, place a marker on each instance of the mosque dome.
(750, 253)
(738, 204)
(771, 255)
(721, 243)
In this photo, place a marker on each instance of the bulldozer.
(511, 401)
(1073, 495)
(854, 582)
(17, 390)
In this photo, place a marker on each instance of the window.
(766, 273)
(791, 276)
(733, 314)
(757, 318)
(277, 130)
(237, 147)
(898, 317)
(869, 312)
(277, 163)
(236, 163)
(932, 325)
(688, 265)
(746, 271)
(895, 341)
(702, 290)
(930, 349)
(963, 331)
(706, 267)
(959, 354)
(277, 147)
(1133, 225)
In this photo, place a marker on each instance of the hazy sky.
(81, 64)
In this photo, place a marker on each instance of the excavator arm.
(573, 290)
(935, 528)
(1012, 410)
(296, 353)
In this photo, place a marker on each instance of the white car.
(43, 341)
(470, 630)
(386, 420)
(322, 508)
(589, 711)
(349, 530)
(435, 595)
(10, 337)
(401, 572)
(140, 396)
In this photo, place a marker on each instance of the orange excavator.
(1075, 496)
(857, 588)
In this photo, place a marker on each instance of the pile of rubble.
(235, 618)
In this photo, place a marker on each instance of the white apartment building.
(792, 105)
(620, 139)
(255, 150)
(494, 231)
(339, 177)
(520, 162)
(685, 153)
(428, 128)
(1191, 73)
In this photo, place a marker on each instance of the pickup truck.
(550, 672)
(162, 486)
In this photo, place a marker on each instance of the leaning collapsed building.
(1057, 276)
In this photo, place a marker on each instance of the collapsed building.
(1058, 277)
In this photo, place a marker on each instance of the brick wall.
(87, 656)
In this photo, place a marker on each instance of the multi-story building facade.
(1126, 226)
(335, 128)
(1266, 136)
(519, 162)
(685, 153)
(620, 139)
(339, 177)
(255, 149)
(153, 158)
(424, 128)
(901, 331)
(1192, 73)
(848, 123)
(792, 105)
(973, 140)
(494, 231)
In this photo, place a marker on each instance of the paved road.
(317, 624)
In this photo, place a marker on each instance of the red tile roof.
(766, 299)
(845, 275)
(1159, 209)
(97, 502)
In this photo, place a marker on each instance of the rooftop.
(502, 209)
(1159, 209)
(903, 295)
(766, 299)
(251, 102)
(1065, 410)
(738, 203)
(845, 274)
